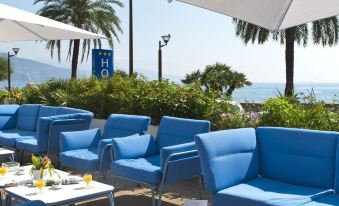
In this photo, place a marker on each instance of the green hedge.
(121, 94)
(127, 95)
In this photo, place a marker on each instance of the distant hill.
(32, 71)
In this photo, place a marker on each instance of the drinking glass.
(40, 184)
(87, 179)
(3, 170)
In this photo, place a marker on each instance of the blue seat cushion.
(325, 201)
(81, 159)
(143, 169)
(30, 145)
(10, 137)
(263, 191)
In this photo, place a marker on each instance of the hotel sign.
(102, 63)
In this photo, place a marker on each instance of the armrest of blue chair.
(79, 139)
(179, 162)
(104, 150)
(132, 147)
(176, 152)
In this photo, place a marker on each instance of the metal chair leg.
(114, 182)
(160, 194)
(153, 196)
(200, 187)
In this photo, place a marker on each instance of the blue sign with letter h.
(102, 63)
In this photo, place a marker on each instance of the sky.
(199, 38)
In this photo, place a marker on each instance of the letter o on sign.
(104, 73)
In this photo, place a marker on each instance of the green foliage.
(128, 95)
(42, 163)
(218, 77)
(307, 113)
(136, 95)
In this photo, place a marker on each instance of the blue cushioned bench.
(270, 166)
(36, 128)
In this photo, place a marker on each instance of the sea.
(259, 92)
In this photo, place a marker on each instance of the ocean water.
(259, 92)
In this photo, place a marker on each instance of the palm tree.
(218, 77)
(324, 32)
(3, 68)
(95, 16)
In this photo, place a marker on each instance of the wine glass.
(40, 184)
(87, 179)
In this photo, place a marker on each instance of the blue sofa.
(33, 203)
(92, 153)
(36, 128)
(270, 166)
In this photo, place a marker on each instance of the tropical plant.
(218, 77)
(96, 16)
(324, 32)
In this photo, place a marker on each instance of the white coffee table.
(8, 153)
(66, 195)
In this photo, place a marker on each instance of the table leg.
(111, 199)
(8, 200)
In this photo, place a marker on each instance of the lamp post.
(165, 39)
(15, 50)
(130, 37)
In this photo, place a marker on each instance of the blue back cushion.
(174, 131)
(228, 157)
(121, 125)
(296, 156)
(8, 116)
(67, 110)
(46, 111)
(28, 117)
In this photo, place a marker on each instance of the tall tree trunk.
(75, 56)
(289, 58)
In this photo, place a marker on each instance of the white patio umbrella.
(272, 14)
(19, 25)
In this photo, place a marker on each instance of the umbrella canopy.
(272, 14)
(19, 25)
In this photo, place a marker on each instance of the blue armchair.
(168, 158)
(90, 151)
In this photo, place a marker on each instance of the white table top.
(11, 177)
(6, 152)
(65, 194)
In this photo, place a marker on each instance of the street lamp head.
(166, 38)
(16, 50)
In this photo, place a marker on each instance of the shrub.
(306, 113)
